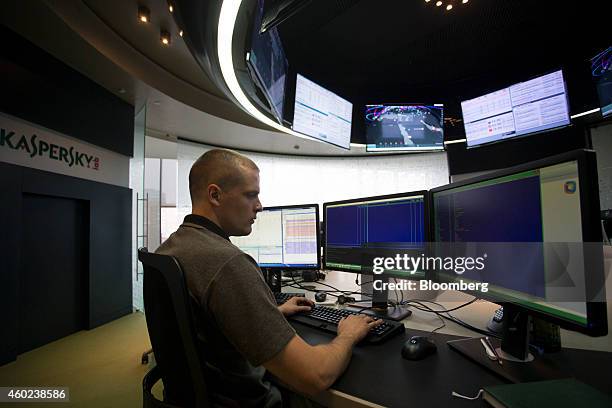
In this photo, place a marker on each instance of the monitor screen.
(322, 114)
(601, 67)
(529, 228)
(284, 237)
(359, 230)
(404, 127)
(527, 107)
(268, 64)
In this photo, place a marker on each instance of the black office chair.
(172, 332)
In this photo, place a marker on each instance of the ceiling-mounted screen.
(601, 67)
(527, 107)
(322, 114)
(268, 64)
(404, 127)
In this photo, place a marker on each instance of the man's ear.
(214, 194)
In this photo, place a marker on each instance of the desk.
(378, 375)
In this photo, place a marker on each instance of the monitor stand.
(380, 299)
(273, 278)
(518, 365)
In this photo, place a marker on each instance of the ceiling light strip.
(225, 33)
(455, 141)
(584, 113)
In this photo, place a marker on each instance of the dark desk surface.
(378, 373)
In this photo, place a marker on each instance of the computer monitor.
(322, 114)
(360, 232)
(284, 237)
(521, 109)
(404, 127)
(268, 64)
(537, 233)
(601, 68)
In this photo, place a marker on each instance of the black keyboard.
(327, 318)
(282, 297)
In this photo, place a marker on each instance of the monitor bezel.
(426, 231)
(299, 268)
(406, 150)
(597, 323)
(516, 137)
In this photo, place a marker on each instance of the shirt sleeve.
(243, 308)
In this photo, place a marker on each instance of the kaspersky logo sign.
(37, 147)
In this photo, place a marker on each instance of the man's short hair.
(218, 166)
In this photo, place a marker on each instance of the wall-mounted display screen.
(322, 114)
(601, 67)
(268, 64)
(527, 107)
(409, 127)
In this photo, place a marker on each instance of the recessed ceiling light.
(144, 14)
(464, 1)
(438, 3)
(449, 7)
(181, 33)
(164, 37)
(170, 7)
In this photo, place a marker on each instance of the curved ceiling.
(365, 51)
(104, 41)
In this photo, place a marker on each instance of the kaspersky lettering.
(36, 147)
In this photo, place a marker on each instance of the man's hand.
(356, 327)
(295, 305)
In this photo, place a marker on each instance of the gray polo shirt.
(239, 325)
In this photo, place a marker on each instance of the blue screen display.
(509, 211)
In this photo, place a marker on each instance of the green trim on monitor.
(549, 310)
(343, 266)
(377, 201)
(498, 180)
(499, 295)
(406, 274)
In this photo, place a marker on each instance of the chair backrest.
(172, 330)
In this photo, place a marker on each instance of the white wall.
(602, 143)
(286, 180)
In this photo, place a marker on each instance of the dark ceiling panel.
(391, 51)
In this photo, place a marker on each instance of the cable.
(444, 310)
(423, 307)
(345, 292)
(298, 285)
(443, 325)
(361, 283)
(456, 394)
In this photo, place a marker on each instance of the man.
(240, 327)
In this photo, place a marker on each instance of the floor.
(101, 367)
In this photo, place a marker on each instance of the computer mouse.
(418, 347)
(320, 296)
